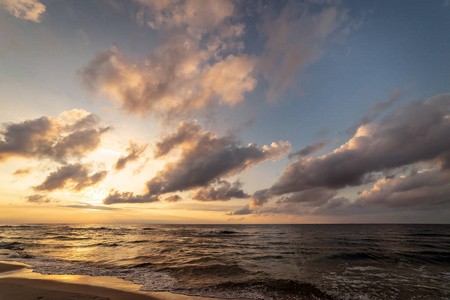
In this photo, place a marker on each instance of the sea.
(354, 261)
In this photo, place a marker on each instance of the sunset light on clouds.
(224, 111)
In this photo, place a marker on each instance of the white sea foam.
(149, 280)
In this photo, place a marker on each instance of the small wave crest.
(357, 256)
(12, 246)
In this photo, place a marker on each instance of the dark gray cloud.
(310, 149)
(77, 143)
(416, 132)
(337, 206)
(220, 190)
(134, 152)
(173, 198)
(312, 197)
(424, 188)
(73, 176)
(204, 158)
(186, 132)
(72, 134)
(242, 211)
(260, 197)
(412, 137)
(128, 197)
(39, 198)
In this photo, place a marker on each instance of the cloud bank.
(414, 135)
(220, 190)
(416, 132)
(204, 158)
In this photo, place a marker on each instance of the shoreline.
(19, 282)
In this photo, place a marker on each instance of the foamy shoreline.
(17, 282)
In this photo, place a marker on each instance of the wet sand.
(19, 282)
(12, 288)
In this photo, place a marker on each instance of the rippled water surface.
(249, 261)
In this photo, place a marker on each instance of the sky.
(230, 112)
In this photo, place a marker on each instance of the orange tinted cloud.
(30, 10)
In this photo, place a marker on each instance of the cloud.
(197, 64)
(75, 177)
(39, 198)
(177, 80)
(260, 197)
(134, 152)
(73, 134)
(322, 132)
(312, 197)
(422, 188)
(31, 10)
(295, 38)
(220, 190)
(174, 198)
(376, 110)
(411, 137)
(128, 197)
(310, 149)
(242, 211)
(91, 207)
(185, 133)
(195, 17)
(204, 158)
(415, 132)
(202, 61)
(202, 206)
(22, 172)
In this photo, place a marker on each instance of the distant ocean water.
(247, 261)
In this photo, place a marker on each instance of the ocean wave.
(268, 257)
(429, 234)
(434, 257)
(344, 256)
(68, 238)
(215, 232)
(139, 241)
(259, 289)
(12, 246)
(20, 255)
(107, 244)
(193, 271)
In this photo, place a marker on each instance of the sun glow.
(95, 195)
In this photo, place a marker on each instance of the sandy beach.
(12, 288)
